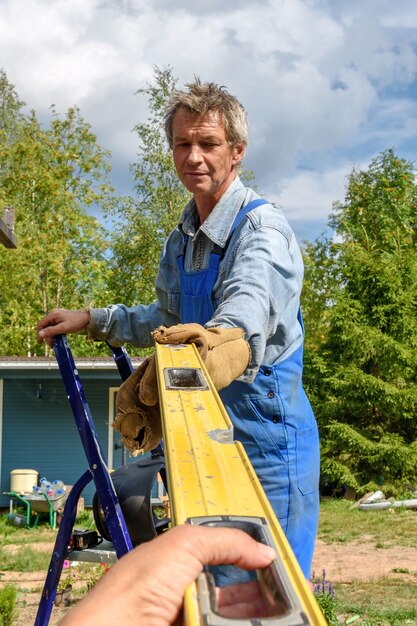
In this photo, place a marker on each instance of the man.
(232, 262)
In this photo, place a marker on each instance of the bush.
(7, 605)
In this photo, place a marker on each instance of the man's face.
(204, 159)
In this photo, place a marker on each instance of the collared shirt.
(258, 286)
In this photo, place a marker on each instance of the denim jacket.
(258, 287)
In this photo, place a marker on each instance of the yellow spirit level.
(211, 482)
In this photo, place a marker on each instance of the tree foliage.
(50, 176)
(359, 299)
(143, 223)
(360, 303)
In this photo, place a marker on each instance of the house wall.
(40, 432)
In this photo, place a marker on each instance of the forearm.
(119, 324)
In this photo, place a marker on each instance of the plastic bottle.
(36, 490)
(45, 486)
(17, 520)
(58, 484)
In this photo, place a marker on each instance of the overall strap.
(245, 210)
(197, 287)
(239, 217)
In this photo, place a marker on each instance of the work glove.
(224, 351)
(138, 418)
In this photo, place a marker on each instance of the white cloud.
(319, 79)
(309, 195)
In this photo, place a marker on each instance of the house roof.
(50, 363)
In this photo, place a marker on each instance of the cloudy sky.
(327, 83)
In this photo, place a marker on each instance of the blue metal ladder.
(97, 471)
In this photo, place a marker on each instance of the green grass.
(9, 533)
(85, 520)
(339, 523)
(25, 559)
(383, 601)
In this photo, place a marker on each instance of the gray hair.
(202, 98)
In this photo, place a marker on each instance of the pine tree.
(361, 360)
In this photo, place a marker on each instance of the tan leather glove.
(148, 384)
(224, 351)
(139, 423)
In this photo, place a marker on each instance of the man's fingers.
(48, 327)
(61, 322)
(51, 331)
(235, 547)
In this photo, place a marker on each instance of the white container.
(23, 480)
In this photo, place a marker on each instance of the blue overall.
(272, 417)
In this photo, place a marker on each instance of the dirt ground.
(362, 561)
(342, 563)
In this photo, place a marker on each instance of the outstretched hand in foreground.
(146, 587)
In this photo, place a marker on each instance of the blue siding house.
(37, 427)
